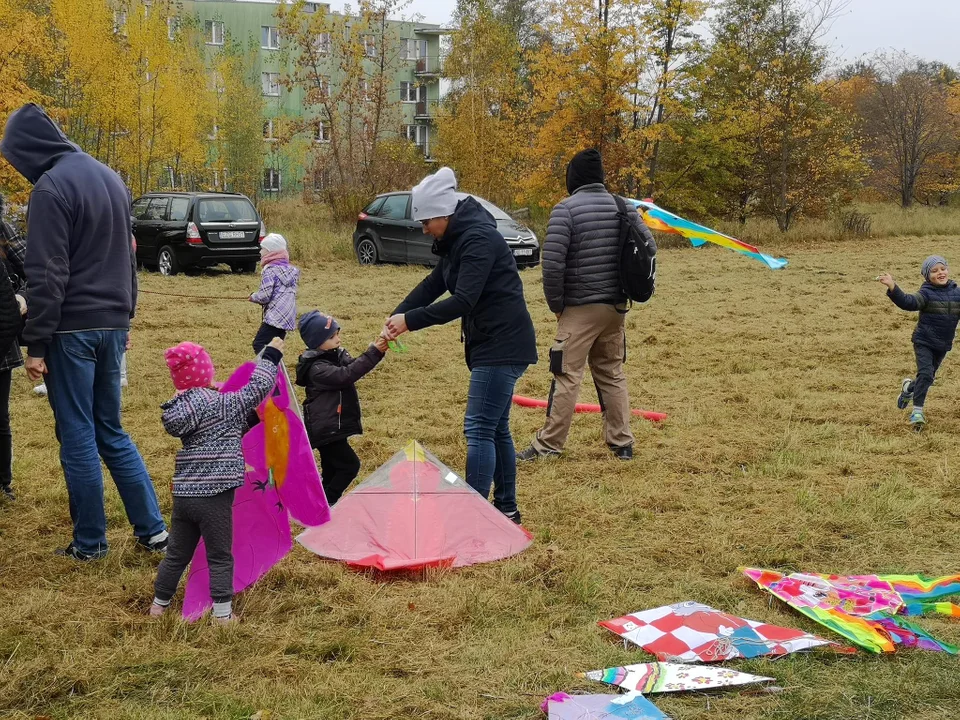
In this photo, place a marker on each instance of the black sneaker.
(514, 517)
(157, 544)
(531, 454)
(71, 552)
(6, 492)
(906, 394)
(623, 453)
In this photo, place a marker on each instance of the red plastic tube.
(586, 408)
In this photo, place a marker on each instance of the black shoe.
(623, 453)
(71, 552)
(158, 543)
(514, 517)
(6, 492)
(531, 454)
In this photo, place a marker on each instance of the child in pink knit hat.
(209, 468)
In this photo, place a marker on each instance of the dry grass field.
(783, 448)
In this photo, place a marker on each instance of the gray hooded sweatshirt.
(80, 266)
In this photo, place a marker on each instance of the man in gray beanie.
(938, 301)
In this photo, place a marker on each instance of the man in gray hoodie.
(82, 285)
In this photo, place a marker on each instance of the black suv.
(179, 230)
(387, 233)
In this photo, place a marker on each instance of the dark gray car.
(386, 232)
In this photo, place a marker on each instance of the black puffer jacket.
(581, 254)
(331, 411)
(480, 273)
(939, 307)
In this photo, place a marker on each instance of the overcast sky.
(927, 28)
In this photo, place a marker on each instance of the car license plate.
(523, 252)
(232, 235)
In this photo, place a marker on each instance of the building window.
(323, 132)
(120, 22)
(323, 86)
(213, 32)
(322, 43)
(268, 130)
(365, 90)
(370, 45)
(414, 49)
(271, 180)
(271, 84)
(173, 27)
(321, 179)
(408, 92)
(269, 37)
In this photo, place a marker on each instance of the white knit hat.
(435, 196)
(273, 242)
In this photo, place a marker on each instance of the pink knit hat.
(190, 366)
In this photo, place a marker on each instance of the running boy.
(938, 301)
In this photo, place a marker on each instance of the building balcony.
(425, 110)
(428, 67)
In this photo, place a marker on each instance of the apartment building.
(415, 87)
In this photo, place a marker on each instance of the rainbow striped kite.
(662, 220)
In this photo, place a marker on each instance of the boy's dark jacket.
(477, 268)
(332, 408)
(939, 308)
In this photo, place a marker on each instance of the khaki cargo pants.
(587, 333)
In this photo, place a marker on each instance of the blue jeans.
(491, 454)
(83, 386)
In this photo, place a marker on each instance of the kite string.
(195, 297)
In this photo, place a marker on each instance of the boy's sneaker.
(918, 419)
(623, 453)
(531, 454)
(906, 394)
(6, 493)
(71, 552)
(227, 620)
(156, 610)
(158, 543)
(514, 517)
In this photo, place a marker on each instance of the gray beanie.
(929, 263)
(435, 196)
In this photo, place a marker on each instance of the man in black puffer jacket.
(581, 280)
(478, 270)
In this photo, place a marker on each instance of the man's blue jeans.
(83, 386)
(491, 454)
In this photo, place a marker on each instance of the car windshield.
(497, 213)
(226, 210)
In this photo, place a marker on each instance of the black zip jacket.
(331, 411)
(479, 271)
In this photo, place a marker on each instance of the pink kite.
(413, 513)
(281, 476)
(586, 408)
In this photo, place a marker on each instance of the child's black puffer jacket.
(332, 408)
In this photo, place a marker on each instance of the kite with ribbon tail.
(868, 610)
(662, 220)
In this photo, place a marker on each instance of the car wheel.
(367, 252)
(167, 261)
(244, 267)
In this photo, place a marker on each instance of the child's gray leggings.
(210, 518)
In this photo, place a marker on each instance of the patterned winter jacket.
(581, 254)
(211, 425)
(939, 308)
(278, 295)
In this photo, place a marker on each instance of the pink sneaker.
(156, 610)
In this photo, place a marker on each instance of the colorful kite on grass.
(868, 610)
(662, 220)
(661, 677)
(632, 706)
(281, 479)
(691, 632)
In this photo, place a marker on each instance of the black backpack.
(638, 258)
(11, 323)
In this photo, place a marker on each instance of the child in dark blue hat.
(331, 411)
(938, 301)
